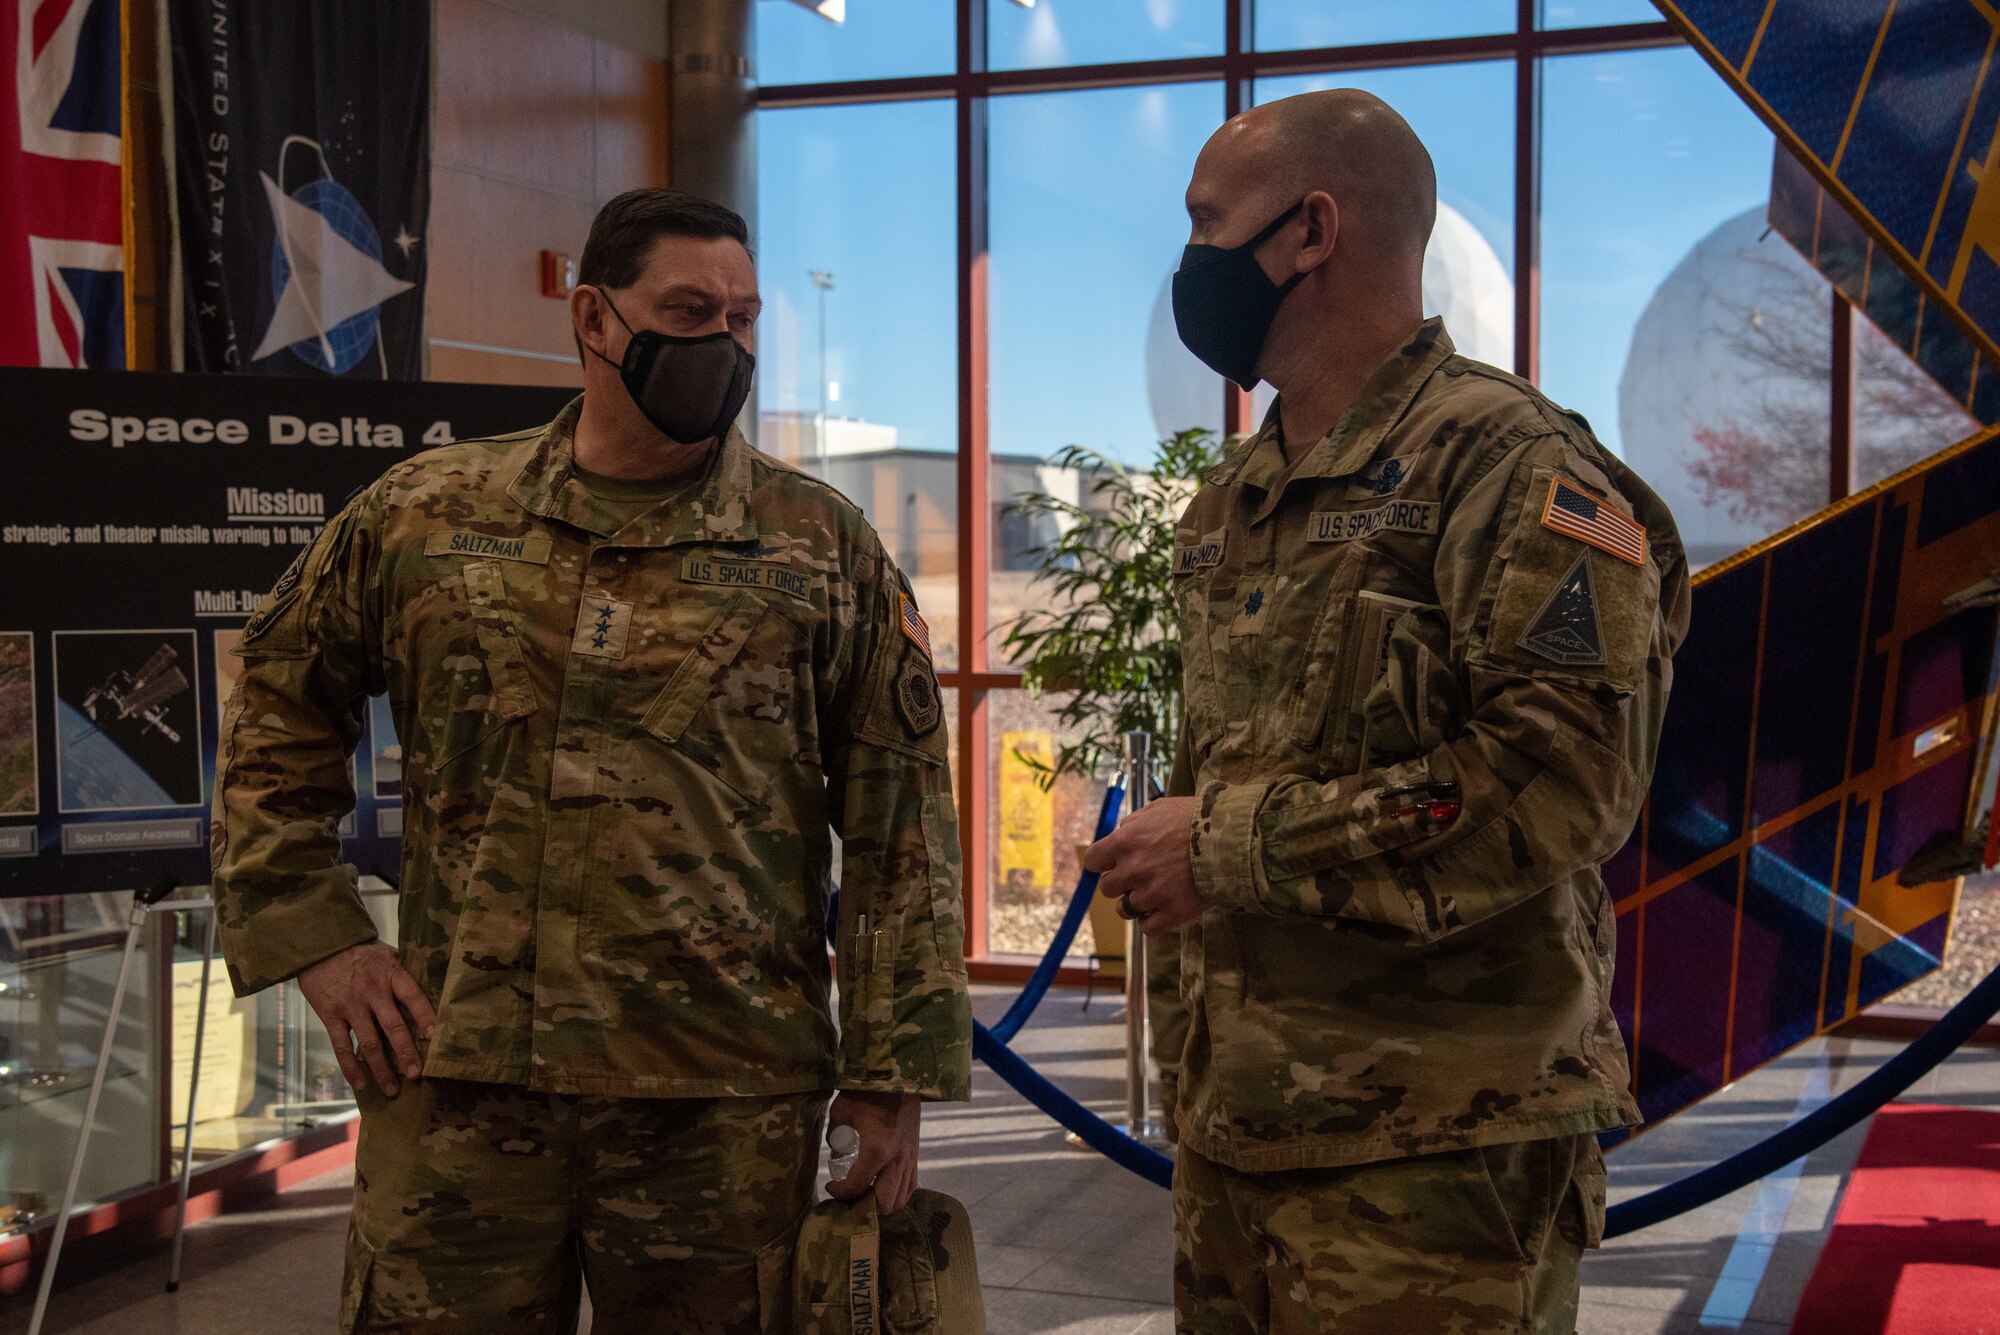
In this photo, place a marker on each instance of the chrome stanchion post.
(1136, 759)
(142, 902)
(194, 1089)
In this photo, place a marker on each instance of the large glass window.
(876, 39)
(1088, 222)
(1595, 13)
(1095, 32)
(857, 351)
(1901, 416)
(1696, 344)
(1284, 25)
(1699, 346)
(1038, 831)
(1469, 268)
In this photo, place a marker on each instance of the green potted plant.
(1107, 635)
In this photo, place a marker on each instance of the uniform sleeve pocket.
(695, 679)
(1572, 604)
(869, 1019)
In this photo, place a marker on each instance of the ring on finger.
(1125, 909)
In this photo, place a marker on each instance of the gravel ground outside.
(1973, 952)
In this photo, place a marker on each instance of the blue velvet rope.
(1008, 1025)
(1697, 1189)
(1093, 1130)
(1815, 1129)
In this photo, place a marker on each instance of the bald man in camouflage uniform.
(635, 706)
(1427, 622)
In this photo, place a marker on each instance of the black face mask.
(689, 388)
(1224, 302)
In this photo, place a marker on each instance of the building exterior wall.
(543, 112)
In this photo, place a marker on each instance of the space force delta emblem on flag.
(1577, 514)
(302, 156)
(62, 245)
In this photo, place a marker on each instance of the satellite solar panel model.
(1830, 729)
(1827, 768)
(1895, 108)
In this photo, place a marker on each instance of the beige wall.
(537, 122)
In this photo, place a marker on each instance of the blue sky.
(1644, 153)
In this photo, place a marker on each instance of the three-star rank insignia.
(1566, 629)
(601, 627)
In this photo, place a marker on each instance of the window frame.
(971, 86)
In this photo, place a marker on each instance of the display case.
(267, 1066)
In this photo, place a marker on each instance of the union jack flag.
(62, 246)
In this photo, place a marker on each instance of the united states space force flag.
(302, 142)
(62, 250)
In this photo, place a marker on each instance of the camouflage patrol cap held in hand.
(912, 1273)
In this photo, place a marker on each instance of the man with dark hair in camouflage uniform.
(641, 674)
(1427, 622)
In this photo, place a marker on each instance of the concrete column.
(712, 102)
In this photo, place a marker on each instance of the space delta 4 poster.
(302, 145)
(152, 516)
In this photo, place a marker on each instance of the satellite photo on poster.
(151, 516)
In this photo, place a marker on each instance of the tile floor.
(1071, 1245)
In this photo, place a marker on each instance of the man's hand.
(356, 993)
(1151, 858)
(887, 1125)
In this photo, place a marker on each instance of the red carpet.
(1915, 1249)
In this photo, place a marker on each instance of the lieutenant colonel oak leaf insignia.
(1565, 630)
(1577, 514)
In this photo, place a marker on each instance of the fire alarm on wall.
(558, 274)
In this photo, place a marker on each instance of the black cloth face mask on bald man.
(689, 388)
(1224, 302)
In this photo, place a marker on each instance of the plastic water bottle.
(843, 1145)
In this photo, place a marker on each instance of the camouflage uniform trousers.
(486, 1208)
(1470, 1242)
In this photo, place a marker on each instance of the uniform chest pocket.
(689, 688)
(478, 655)
(731, 703)
(1316, 715)
(1193, 593)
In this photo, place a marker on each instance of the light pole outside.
(823, 280)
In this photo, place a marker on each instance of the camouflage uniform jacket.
(1424, 693)
(625, 751)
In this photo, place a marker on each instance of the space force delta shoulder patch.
(916, 692)
(1397, 516)
(533, 549)
(1565, 630)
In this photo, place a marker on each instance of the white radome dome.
(1685, 370)
(1464, 281)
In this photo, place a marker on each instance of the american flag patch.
(1577, 514)
(913, 624)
